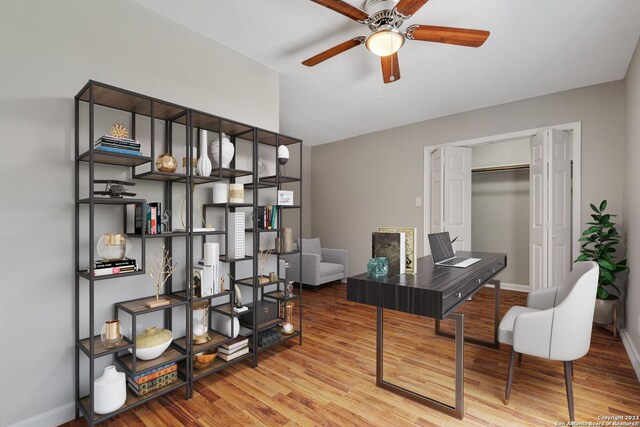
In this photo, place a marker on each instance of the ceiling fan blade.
(390, 68)
(407, 8)
(457, 36)
(331, 52)
(344, 8)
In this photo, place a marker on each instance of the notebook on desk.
(442, 252)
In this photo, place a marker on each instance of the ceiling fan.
(384, 18)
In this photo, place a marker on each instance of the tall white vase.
(110, 391)
(204, 167)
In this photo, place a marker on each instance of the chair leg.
(568, 375)
(519, 360)
(507, 392)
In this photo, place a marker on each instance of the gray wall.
(632, 205)
(362, 183)
(49, 50)
(500, 206)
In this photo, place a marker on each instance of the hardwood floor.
(330, 379)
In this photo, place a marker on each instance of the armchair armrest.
(532, 333)
(310, 268)
(542, 299)
(337, 256)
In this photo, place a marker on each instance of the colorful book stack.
(154, 214)
(267, 217)
(105, 267)
(153, 379)
(118, 145)
(234, 348)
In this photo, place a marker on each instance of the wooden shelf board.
(249, 281)
(280, 296)
(230, 173)
(217, 365)
(99, 349)
(132, 401)
(115, 159)
(273, 179)
(209, 233)
(200, 119)
(224, 309)
(171, 354)
(223, 258)
(217, 339)
(273, 139)
(204, 179)
(120, 99)
(97, 200)
(86, 275)
(182, 296)
(167, 234)
(228, 205)
(137, 306)
(161, 176)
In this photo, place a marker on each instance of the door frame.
(576, 146)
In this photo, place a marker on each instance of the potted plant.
(599, 243)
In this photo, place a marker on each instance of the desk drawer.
(474, 283)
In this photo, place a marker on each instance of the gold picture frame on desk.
(410, 245)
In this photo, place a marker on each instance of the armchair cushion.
(328, 268)
(311, 246)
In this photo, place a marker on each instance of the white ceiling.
(536, 47)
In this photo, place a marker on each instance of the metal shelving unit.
(152, 111)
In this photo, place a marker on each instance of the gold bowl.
(204, 358)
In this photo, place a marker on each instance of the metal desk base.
(458, 409)
(496, 321)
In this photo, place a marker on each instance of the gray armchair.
(319, 265)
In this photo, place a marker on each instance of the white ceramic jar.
(110, 391)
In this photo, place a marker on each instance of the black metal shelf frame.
(143, 167)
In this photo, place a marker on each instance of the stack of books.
(267, 217)
(153, 379)
(103, 267)
(234, 348)
(118, 145)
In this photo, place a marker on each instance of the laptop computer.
(442, 252)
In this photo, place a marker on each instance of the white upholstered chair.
(556, 324)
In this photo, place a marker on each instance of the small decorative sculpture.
(264, 255)
(238, 296)
(166, 163)
(160, 269)
(119, 130)
(164, 221)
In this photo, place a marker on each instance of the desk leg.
(496, 321)
(458, 409)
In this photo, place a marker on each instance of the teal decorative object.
(377, 267)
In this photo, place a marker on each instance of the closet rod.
(501, 168)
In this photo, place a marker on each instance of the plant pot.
(603, 314)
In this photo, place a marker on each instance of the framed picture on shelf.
(285, 198)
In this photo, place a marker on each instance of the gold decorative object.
(205, 358)
(236, 193)
(160, 269)
(166, 163)
(110, 334)
(119, 130)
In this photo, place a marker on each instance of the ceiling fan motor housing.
(381, 13)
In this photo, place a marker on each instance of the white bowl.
(151, 352)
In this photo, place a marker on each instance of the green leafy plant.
(599, 244)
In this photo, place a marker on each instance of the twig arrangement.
(264, 255)
(160, 269)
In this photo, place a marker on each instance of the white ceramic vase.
(220, 192)
(227, 151)
(204, 167)
(110, 391)
(223, 324)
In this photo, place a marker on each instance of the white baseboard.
(511, 287)
(632, 351)
(54, 417)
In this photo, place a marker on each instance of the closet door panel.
(538, 206)
(457, 195)
(560, 212)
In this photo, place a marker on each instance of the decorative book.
(391, 246)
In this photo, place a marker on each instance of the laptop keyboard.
(452, 261)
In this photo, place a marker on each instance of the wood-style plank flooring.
(330, 379)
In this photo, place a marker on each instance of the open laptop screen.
(441, 248)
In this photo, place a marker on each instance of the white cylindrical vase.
(110, 391)
(211, 253)
(204, 164)
(220, 192)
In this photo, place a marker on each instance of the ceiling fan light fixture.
(385, 41)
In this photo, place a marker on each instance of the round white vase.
(227, 150)
(223, 324)
(203, 166)
(110, 391)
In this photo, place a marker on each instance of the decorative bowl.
(204, 358)
(152, 343)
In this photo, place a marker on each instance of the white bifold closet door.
(450, 202)
(550, 204)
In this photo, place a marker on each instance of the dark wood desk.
(432, 292)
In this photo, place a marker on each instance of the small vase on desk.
(204, 164)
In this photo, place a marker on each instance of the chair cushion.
(328, 268)
(312, 246)
(505, 330)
